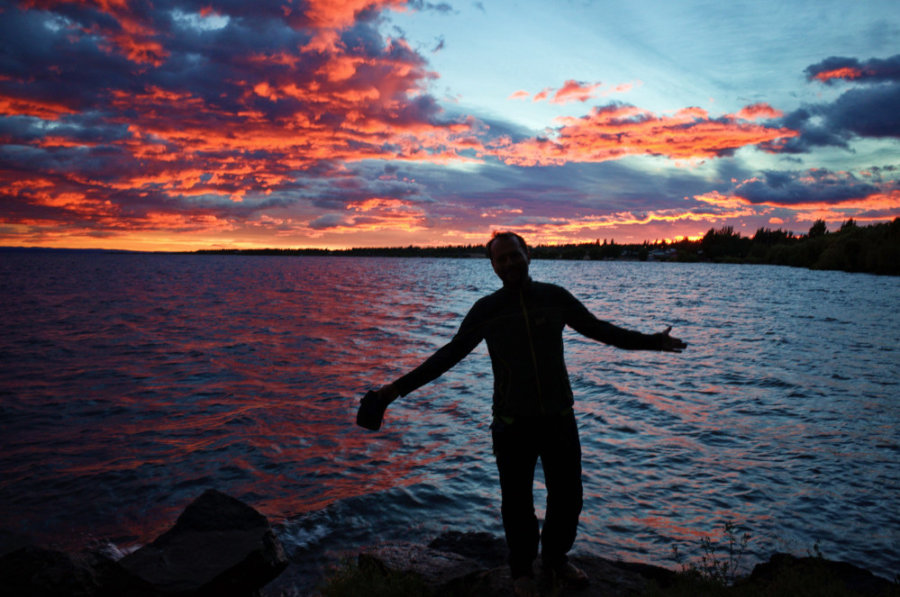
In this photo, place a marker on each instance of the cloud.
(116, 114)
(375, 214)
(301, 120)
(866, 110)
(814, 194)
(874, 70)
(615, 131)
(571, 91)
(820, 187)
(440, 7)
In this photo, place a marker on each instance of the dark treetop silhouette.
(522, 324)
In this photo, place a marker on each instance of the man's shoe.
(524, 586)
(570, 576)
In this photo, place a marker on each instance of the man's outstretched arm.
(585, 323)
(374, 403)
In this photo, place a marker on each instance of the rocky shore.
(473, 564)
(218, 547)
(221, 547)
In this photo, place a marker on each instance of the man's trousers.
(517, 447)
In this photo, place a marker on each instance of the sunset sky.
(171, 125)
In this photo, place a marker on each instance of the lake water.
(129, 383)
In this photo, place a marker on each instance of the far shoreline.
(873, 249)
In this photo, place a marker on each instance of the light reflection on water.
(130, 383)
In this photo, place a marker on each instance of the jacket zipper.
(537, 378)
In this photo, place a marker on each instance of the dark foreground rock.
(38, 572)
(218, 547)
(461, 564)
(474, 564)
(784, 569)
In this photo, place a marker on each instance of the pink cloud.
(574, 91)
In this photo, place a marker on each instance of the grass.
(717, 568)
(351, 579)
(717, 574)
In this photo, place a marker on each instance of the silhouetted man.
(533, 404)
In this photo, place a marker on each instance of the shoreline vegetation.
(873, 249)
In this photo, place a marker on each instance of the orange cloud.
(731, 202)
(378, 203)
(542, 94)
(613, 132)
(351, 108)
(327, 17)
(877, 201)
(338, 14)
(756, 111)
(375, 214)
(573, 91)
(39, 108)
(846, 72)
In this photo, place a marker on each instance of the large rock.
(219, 547)
(39, 572)
(785, 570)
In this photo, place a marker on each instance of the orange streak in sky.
(839, 73)
(876, 201)
(44, 109)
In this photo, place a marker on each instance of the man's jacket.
(523, 329)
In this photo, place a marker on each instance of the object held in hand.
(371, 411)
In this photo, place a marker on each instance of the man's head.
(510, 257)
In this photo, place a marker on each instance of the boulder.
(219, 547)
(785, 570)
(39, 572)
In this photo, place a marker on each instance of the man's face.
(510, 261)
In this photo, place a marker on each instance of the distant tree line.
(873, 249)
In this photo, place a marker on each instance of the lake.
(129, 383)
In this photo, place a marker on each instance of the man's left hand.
(669, 344)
